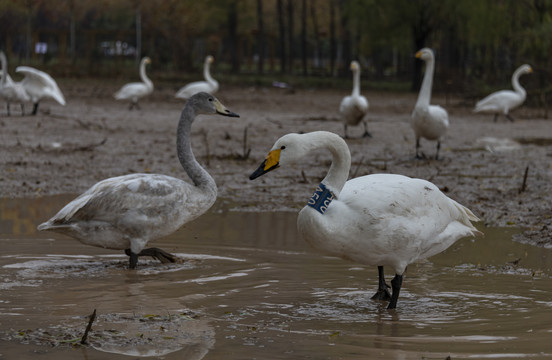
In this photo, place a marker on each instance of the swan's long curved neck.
(356, 83)
(4, 62)
(143, 75)
(424, 97)
(199, 175)
(341, 159)
(207, 73)
(515, 83)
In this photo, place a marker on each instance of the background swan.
(137, 90)
(210, 85)
(354, 107)
(378, 220)
(39, 85)
(10, 90)
(428, 121)
(501, 102)
(127, 212)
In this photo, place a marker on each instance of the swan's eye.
(283, 147)
(210, 99)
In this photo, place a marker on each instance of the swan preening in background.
(354, 107)
(378, 220)
(39, 85)
(501, 102)
(428, 121)
(9, 90)
(137, 90)
(127, 212)
(210, 85)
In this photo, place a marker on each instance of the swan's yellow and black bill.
(418, 54)
(222, 110)
(271, 162)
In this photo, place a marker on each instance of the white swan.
(378, 220)
(210, 85)
(501, 102)
(428, 121)
(10, 90)
(127, 212)
(354, 107)
(137, 90)
(39, 85)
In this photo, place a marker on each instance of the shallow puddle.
(247, 287)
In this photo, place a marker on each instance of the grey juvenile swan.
(126, 212)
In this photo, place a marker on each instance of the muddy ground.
(67, 149)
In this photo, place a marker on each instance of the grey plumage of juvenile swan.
(126, 212)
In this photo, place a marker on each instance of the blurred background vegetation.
(478, 43)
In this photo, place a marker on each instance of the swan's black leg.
(22, 109)
(8, 106)
(382, 293)
(495, 117)
(366, 133)
(510, 118)
(438, 148)
(418, 148)
(133, 259)
(35, 108)
(345, 131)
(396, 284)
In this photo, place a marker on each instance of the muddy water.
(247, 287)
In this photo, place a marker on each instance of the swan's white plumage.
(378, 220)
(428, 121)
(501, 102)
(137, 90)
(9, 90)
(39, 85)
(353, 108)
(126, 212)
(210, 85)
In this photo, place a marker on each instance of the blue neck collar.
(321, 199)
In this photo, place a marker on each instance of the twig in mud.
(524, 183)
(305, 180)
(90, 146)
(88, 327)
(246, 151)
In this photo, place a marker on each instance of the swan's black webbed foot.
(366, 134)
(383, 292)
(155, 253)
(158, 254)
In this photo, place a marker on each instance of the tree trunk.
(333, 42)
(233, 36)
(304, 36)
(291, 41)
(260, 36)
(282, 30)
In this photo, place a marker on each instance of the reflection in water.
(246, 286)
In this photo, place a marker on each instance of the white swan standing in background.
(501, 102)
(428, 121)
(127, 212)
(354, 107)
(210, 85)
(378, 220)
(10, 90)
(39, 85)
(137, 90)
